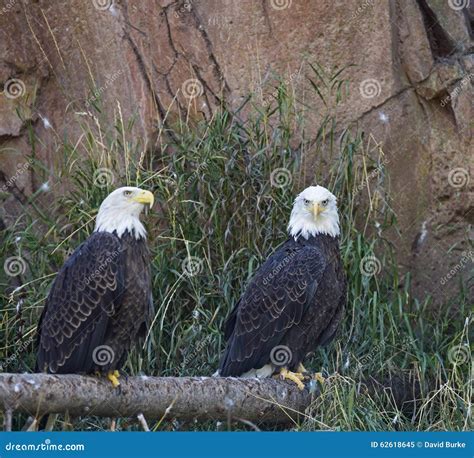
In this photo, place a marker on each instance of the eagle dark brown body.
(294, 303)
(99, 305)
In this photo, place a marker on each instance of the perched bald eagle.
(100, 302)
(296, 299)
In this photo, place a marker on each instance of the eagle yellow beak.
(316, 209)
(145, 197)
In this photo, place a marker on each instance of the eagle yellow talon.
(319, 377)
(295, 377)
(117, 373)
(113, 377)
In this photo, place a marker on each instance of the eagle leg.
(318, 376)
(295, 377)
(301, 369)
(113, 377)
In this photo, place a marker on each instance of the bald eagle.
(296, 299)
(100, 302)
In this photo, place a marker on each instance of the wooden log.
(183, 398)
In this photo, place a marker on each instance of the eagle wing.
(84, 295)
(275, 301)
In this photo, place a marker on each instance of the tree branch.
(184, 398)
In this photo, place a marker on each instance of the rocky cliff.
(410, 67)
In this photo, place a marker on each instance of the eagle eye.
(306, 201)
(127, 193)
(325, 202)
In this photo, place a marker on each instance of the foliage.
(224, 190)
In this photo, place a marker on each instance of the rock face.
(411, 88)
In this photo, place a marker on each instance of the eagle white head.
(314, 212)
(120, 211)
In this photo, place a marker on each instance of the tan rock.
(410, 87)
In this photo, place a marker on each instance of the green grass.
(217, 202)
